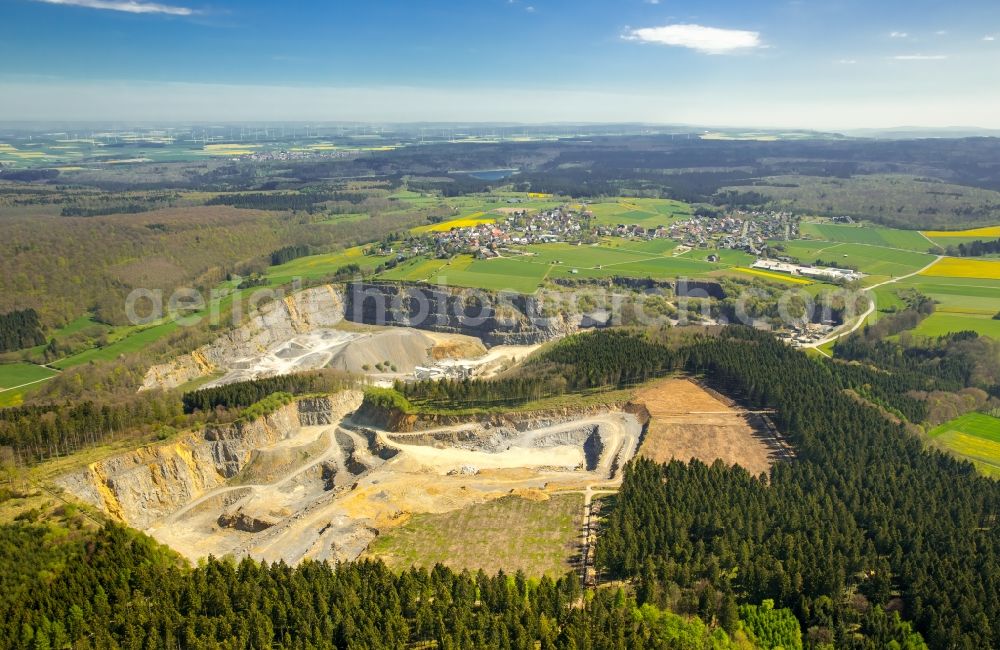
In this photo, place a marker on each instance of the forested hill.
(862, 515)
(116, 588)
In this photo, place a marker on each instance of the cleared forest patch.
(688, 422)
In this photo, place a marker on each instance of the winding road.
(871, 307)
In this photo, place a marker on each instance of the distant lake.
(490, 174)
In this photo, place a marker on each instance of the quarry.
(325, 477)
(317, 480)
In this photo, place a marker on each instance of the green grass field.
(958, 295)
(136, 340)
(416, 270)
(319, 266)
(512, 533)
(974, 437)
(647, 213)
(939, 324)
(16, 374)
(866, 234)
(869, 259)
(525, 273)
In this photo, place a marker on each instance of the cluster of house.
(740, 230)
(485, 240)
(271, 156)
(828, 274)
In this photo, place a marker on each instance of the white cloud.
(709, 40)
(128, 6)
(847, 61)
(989, 39)
(898, 35)
(921, 57)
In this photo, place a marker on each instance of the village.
(738, 230)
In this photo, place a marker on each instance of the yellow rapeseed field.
(988, 231)
(774, 276)
(473, 219)
(957, 267)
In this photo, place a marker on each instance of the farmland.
(957, 267)
(974, 437)
(525, 273)
(942, 323)
(647, 213)
(536, 535)
(319, 266)
(17, 379)
(473, 219)
(866, 234)
(962, 303)
(868, 258)
(16, 374)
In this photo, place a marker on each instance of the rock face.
(275, 322)
(149, 483)
(497, 319)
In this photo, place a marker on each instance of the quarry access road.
(871, 307)
(327, 455)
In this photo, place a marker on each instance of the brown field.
(688, 422)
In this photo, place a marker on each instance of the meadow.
(866, 234)
(541, 262)
(321, 266)
(13, 375)
(870, 259)
(974, 437)
(647, 213)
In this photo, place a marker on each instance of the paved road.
(871, 306)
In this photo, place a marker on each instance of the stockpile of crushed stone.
(403, 348)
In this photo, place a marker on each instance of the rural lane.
(871, 306)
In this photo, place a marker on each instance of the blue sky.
(796, 63)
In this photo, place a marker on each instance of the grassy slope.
(15, 374)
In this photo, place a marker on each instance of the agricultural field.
(525, 273)
(963, 303)
(941, 323)
(474, 219)
(416, 270)
(866, 234)
(18, 380)
(956, 237)
(647, 213)
(869, 259)
(320, 266)
(963, 267)
(974, 437)
(536, 535)
(771, 275)
(13, 375)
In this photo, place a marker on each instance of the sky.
(822, 64)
